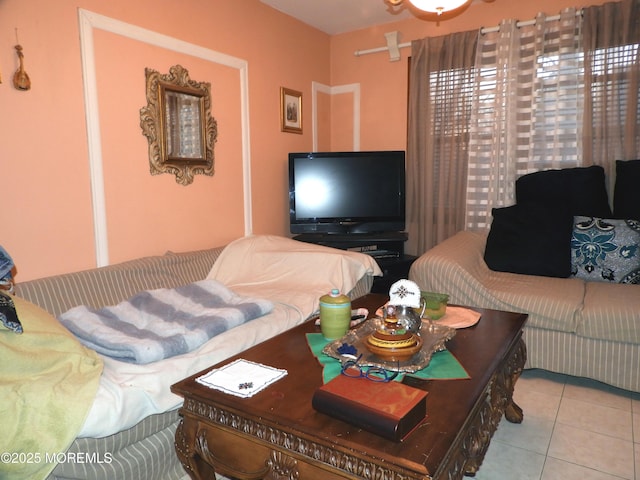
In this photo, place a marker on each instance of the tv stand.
(383, 243)
(387, 248)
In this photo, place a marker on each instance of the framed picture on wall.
(290, 110)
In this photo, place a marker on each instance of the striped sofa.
(146, 450)
(586, 329)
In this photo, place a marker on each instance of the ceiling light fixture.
(432, 6)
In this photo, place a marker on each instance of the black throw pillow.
(582, 190)
(626, 196)
(531, 240)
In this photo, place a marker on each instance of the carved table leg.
(185, 446)
(499, 401)
(513, 413)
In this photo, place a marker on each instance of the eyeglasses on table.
(352, 368)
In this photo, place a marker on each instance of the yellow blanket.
(48, 381)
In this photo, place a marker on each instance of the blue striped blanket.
(158, 324)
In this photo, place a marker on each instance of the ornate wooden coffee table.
(276, 434)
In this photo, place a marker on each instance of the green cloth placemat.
(443, 365)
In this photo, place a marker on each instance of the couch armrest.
(457, 267)
(456, 262)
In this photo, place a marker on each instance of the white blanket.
(276, 265)
(129, 392)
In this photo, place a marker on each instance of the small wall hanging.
(290, 110)
(21, 80)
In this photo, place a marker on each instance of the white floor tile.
(533, 434)
(593, 450)
(538, 405)
(506, 462)
(555, 469)
(595, 432)
(598, 393)
(596, 418)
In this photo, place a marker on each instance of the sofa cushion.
(582, 190)
(606, 250)
(530, 239)
(626, 196)
(611, 312)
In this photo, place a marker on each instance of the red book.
(389, 409)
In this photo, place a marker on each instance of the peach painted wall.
(342, 129)
(47, 213)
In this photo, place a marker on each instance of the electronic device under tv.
(347, 192)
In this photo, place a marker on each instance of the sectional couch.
(563, 256)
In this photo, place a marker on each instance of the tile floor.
(573, 429)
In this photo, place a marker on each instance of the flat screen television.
(347, 192)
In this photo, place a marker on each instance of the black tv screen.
(347, 192)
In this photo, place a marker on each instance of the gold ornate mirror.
(178, 124)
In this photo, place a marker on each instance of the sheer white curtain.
(528, 102)
(611, 39)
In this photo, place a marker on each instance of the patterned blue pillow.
(8, 315)
(606, 250)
